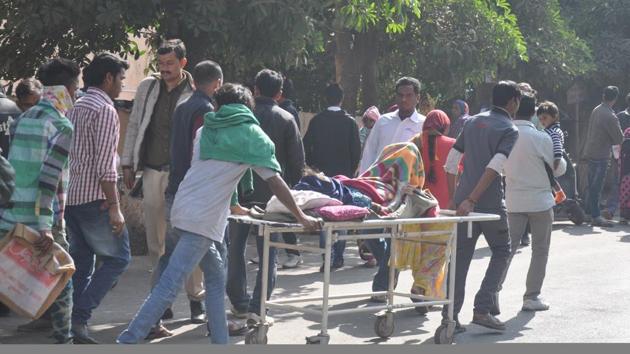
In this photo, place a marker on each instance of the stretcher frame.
(393, 229)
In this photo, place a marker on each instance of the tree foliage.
(557, 55)
(605, 25)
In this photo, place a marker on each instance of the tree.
(239, 34)
(556, 54)
(606, 28)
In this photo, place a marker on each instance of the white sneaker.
(535, 305)
(292, 261)
(253, 319)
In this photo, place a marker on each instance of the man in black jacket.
(332, 146)
(9, 112)
(332, 143)
(280, 126)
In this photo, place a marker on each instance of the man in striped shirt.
(39, 155)
(95, 223)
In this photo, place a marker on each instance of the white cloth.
(305, 200)
(452, 162)
(497, 163)
(527, 185)
(389, 129)
(334, 108)
(202, 202)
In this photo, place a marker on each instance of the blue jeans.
(91, 235)
(596, 175)
(337, 248)
(380, 249)
(237, 268)
(191, 250)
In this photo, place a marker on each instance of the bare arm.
(468, 205)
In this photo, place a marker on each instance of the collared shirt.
(484, 136)
(389, 129)
(334, 108)
(604, 131)
(39, 155)
(527, 187)
(93, 157)
(158, 135)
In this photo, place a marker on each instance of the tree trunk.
(369, 71)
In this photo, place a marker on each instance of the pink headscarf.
(372, 113)
(437, 121)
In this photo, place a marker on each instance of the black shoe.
(197, 312)
(525, 240)
(168, 314)
(488, 321)
(333, 266)
(4, 310)
(81, 335)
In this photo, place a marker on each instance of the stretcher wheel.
(318, 339)
(253, 337)
(422, 310)
(444, 335)
(384, 325)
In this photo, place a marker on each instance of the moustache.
(165, 72)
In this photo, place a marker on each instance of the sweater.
(332, 143)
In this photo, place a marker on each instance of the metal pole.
(395, 231)
(452, 270)
(265, 275)
(327, 257)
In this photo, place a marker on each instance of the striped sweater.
(39, 154)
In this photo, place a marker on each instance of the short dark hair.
(549, 108)
(206, 72)
(234, 93)
(628, 99)
(610, 93)
(103, 63)
(28, 86)
(58, 71)
(409, 81)
(173, 45)
(527, 108)
(269, 82)
(503, 92)
(288, 91)
(333, 94)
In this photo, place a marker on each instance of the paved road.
(587, 286)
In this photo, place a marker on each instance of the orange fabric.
(439, 189)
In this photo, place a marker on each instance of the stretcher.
(389, 228)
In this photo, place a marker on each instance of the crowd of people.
(197, 141)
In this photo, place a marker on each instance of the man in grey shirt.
(604, 131)
(487, 140)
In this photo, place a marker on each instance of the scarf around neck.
(59, 97)
(233, 134)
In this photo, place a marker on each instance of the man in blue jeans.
(230, 143)
(604, 131)
(96, 226)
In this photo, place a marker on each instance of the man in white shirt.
(529, 199)
(391, 128)
(398, 126)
